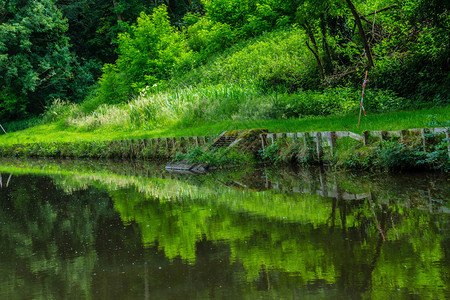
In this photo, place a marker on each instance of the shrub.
(207, 37)
(109, 90)
(21, 124)
(309, 103)
(396, 156)
(214, 157)
(148, 53)
(270, 153)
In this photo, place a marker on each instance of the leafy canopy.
(36, 65)
(148, 53)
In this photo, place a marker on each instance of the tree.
(148, 53)
(361, 33)
(36, 65)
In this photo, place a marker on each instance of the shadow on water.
(84, 229)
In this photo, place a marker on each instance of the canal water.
(103, 230)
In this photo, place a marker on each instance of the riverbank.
(392, 150)
(61, 132)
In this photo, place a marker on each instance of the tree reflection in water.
(250, 233)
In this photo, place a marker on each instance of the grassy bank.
(59, 132)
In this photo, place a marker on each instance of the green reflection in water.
(48, 239)
(274, 223)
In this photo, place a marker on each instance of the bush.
(148, 54)
(309, 103)
(396, 156)
(207, 37)
(286, 151)
(382, 101)
(214, 157)
(109, 90)
(21, 124)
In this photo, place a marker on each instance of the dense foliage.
(55, 50)
(35, 62)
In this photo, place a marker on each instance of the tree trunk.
(119, 16)
(326, 47)
(361, 33)
(172, 5)
(314, 50)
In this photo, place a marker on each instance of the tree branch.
(319, 63)
(381, 10)
(364, 18)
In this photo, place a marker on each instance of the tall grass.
(104, 116)
(164, 109)
(197, 105)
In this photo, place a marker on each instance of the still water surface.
(88, 230)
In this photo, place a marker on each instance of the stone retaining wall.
(168, 147)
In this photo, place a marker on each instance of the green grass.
(57, 132)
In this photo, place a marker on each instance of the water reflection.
(7, 181)
(92, 230)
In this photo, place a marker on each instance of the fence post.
(262, 142)
(447, 136)
(271, 137)
(318, 137)
(331, 136)
(365, 135)
(424, 139)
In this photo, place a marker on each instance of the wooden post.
(403, 136)
(183, 143)
(424, 139)
(130, 147)
(331, 137)
(323, 184)
(447, 136)
(136, 146)
(365, 135)
(271, 137)
(262, 142)
(154, 146)
(318, 137)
